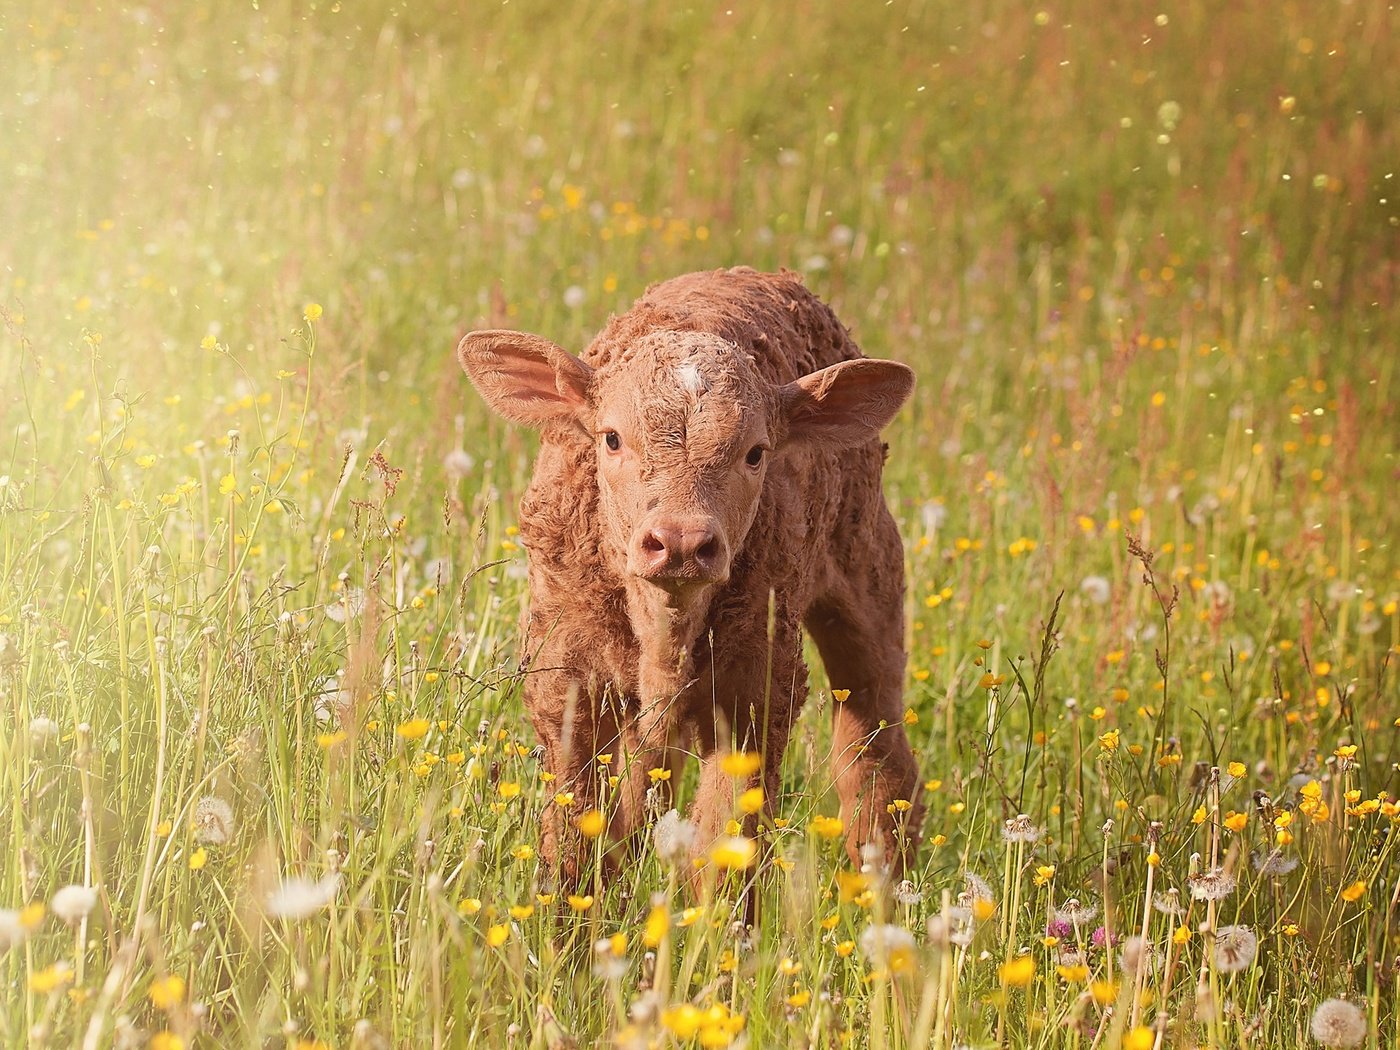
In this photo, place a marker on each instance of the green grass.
(1145, 268)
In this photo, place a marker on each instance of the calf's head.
(686, 432)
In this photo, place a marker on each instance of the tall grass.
(259, 587)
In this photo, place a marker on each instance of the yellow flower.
(1181, 935)
(564, 799)
(840, 695)
(1235, 769)
(544, 900)
(524, 852)
(31, 915)
(1140, 1038)
(468, 906)
(414, 729)
(983, 909)
(1354, 892)
(911, 717)
(658, 774)
(51, 978)
(208, 343)
(1236, 822)
(199, 858)
(591, 824)
(498, 935)
(751, 801)
(165, 1041)
(797, 1000)
(1109, 741)
(168, 992)
(508, 789)
(845, 948)
(329, 740)
(827, 827)
(658, 922)
(311, 311)
(734, 851)
(1044, 874)
(521, 912)
(580, 903)
(1017, 972)
(1104, 992)
(740, 764)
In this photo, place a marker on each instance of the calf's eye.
(755, 456)
(611, 439)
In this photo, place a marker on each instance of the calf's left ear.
(524, 377)
(845, 404)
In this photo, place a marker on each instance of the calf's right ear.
(525, 378)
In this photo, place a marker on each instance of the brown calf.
(708, 483)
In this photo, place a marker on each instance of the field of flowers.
(265, 779)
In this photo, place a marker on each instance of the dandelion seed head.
(1168, 902)
(907, 893)
(42, 731)
(1075, 912)
(1338, 1023)
(300, 897)
(1235, 948)
(213, 821)
(73, 903)
(888, 945)
(1021, 829)
(674, 837)
(12, 929)
(975, 888)
(1214, 884)
(1273, 863)
(1096, 589)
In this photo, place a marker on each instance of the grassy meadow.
(265, 779)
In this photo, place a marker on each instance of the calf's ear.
(845, 404)
(525, 378)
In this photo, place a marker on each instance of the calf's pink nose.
(685, 549)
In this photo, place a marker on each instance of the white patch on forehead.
(691, 380)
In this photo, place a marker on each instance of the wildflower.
(167, 993)
(299, 897)
(1211, 885)
(1354, 892)
(658, 922)
(888, 946)
(1020, 829)
(591, 824)
(1075, 913)
(740, 764)
(213, 821)
(311, 311)
(610, 958)
(458, 463)
(1104, 992)
(1109, 741)
(1134, 953)
(1140, 1038)
(907, 893)
(1235, 948)
(975, 888)
(751, 801)
(72, 904)
(1017, 972)
(12, 931)
(1096, 589)
(1168, 902)
(1273, 863)
(1338, 1023)
(1044, 873)
(42, 731)
(523, 852)
(674, 836)
(827, 827)
(1101, 937)
(658, 774)
(1074, 974)
(51, 978)
(734, 851)
(414, 729)
(580, 903)
(840, 695)
(166, 1041)
(498, 934)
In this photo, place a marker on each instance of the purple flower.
(1059, 928)
(1100, 936)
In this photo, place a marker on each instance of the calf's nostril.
(653, 544)
(708, 551)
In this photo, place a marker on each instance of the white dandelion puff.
(300, 897)
(1074, 912)
(1338, 1023)
(42, 731)
(1273, 863)
(74, 903)
(1213, 884)
(1021, 829)
(674, 837)
(884, 944)
(12, 931)
(1096, 588)
(907, 893)
(213, 821)
(1235, 948)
